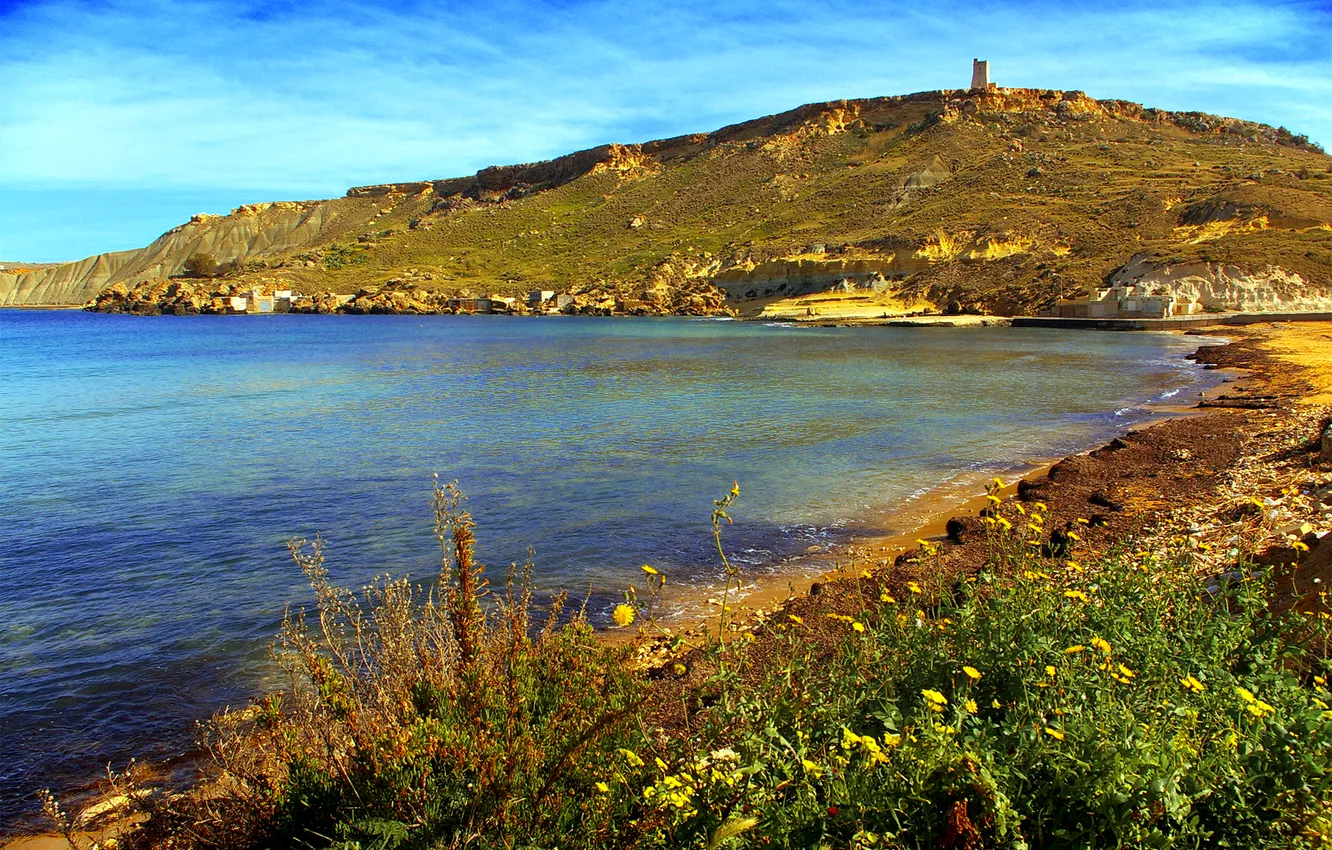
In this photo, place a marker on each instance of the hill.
(1000, 200)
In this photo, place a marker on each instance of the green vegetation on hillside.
(1008, 198)
(1001, 200)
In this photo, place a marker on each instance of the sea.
(153, 470)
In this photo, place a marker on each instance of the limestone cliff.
(1220, 286)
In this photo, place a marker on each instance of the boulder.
(961, 529)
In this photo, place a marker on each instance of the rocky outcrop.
(677, 286)
(674, 294)
(157, 297)
(499, 181)
(1219, 286)
(808, 273)
(399, 299)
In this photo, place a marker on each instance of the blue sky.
(119, 120)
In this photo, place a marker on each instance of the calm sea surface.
(152, 470)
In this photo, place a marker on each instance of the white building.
(1124, 302)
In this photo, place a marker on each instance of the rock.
(110, 805)
(960, 529)
(1326, 452)
(1102, 499)
(1029, 491)
(1058, 546)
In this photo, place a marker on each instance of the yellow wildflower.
(858, 626)
(797, 620)
(1075, 649)
(1101, 644)
(1193, 684)
(913, 587)
(647, 568)
(603, 787)
(623, 614)
(1054, 733)
(811, 768)
(936, 700)
(1050, 671)
(680, 669)
(631, 757)
(970, 706)
(1076, 594)
(972, 673)
(885, 596)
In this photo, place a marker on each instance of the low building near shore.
(259, 302)
(237, 304)
(1124, 302)
(470, 305)
(540, 297)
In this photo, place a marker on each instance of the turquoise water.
(153, 469)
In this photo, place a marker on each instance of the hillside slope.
(997, 200)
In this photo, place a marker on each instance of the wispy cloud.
(193, 99)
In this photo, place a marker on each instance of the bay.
(153, 470)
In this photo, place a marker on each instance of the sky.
(120, 120)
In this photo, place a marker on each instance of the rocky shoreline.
(1245, 478)
(206, 297)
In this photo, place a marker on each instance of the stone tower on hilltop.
(980, 74)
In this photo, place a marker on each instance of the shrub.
(340, 256)
(200, 265)
(1042, 704)
(426, 717)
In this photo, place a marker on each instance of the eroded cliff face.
(251, 231)
(808, 273)
(1220, 286)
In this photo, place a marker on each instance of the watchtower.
(980, 74)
